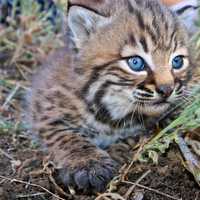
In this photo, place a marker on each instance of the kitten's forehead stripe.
(132, 39)
(152, 34)
(130, 7)
(144, 44)
(171, 38)
(155, 20)
(166, 27)
(139, 2)
(140, 19)
(175, 45)
(155, 25)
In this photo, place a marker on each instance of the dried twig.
(113, 196)
(18, 67)
(135, 158)
(31, 184)
(130, 190)
(197, 196)
(30, 195)
(6, 154)
(14, 163)
(49, 170)
(18, 50)
(10, 96)
(152, 190)
(191, 163)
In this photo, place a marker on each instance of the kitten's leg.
(81, 164)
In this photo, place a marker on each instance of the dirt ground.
(169, 177)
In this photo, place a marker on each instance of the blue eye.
(177, 62)
(136, 63)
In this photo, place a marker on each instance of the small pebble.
(138, 196)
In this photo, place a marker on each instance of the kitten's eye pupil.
(177, 62)
(136, 63)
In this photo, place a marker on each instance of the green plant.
(187, 122)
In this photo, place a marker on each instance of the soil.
(168, 177)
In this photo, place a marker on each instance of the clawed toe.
(93, 177)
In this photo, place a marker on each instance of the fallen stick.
(30, 195)
(6, 154)
(31, 184)
(152, 190)
(130, 190)
(114, 196)
(10, 96)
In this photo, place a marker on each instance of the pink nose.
(165, 90)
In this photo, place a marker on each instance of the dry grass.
(25, 42)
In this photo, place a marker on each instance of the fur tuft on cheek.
(119, 101)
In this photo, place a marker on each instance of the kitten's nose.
(165, 90)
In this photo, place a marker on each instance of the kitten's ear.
(187, 11)
(82, 23)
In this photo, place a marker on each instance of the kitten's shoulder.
(57, 66)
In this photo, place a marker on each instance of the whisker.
(143, 101)
(133, 112)
(187, 99)
(182, 99)
(140, 115)
(143, 97)
(162, 117)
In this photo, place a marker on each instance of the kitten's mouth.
(155, 108)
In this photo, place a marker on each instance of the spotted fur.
(87, 97)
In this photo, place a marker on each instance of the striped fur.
(86, 97)
(186, 10)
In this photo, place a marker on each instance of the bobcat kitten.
(114, 71)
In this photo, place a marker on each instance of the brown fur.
(83, 99)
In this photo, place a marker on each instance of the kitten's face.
(137, 60)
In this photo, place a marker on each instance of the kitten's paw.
(92, 175)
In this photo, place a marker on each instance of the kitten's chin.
(154, 110)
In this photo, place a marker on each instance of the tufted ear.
(82, 23)
(187, 11)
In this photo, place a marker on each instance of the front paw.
(91, 175)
